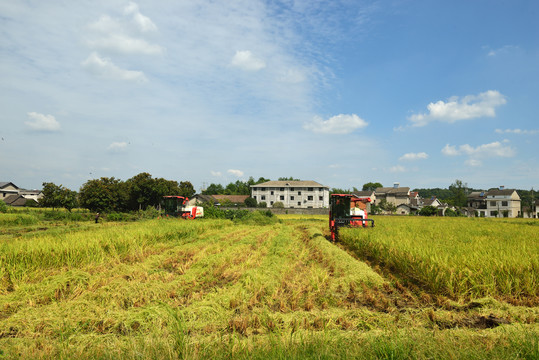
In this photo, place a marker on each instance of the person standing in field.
(96, 218)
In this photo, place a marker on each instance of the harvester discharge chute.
(347, 210)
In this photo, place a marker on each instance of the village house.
(13, 195)
(499, 202)
(293, 194)
(395, 195)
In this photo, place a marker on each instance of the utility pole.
(533, 207)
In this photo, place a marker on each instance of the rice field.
(169, 289)
(459, 258)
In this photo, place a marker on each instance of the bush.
(262, 204)
(250, 202)
(3, 206)
(278, 205)
(259, 217)
(428, 211)
(452, 213)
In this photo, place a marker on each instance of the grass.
(215, 288)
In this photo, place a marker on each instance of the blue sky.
(340, 92)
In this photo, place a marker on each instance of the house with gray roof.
(7, 189)
(395, 195)
(9, 192)
(499, 202)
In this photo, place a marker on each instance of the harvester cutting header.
(347, 210)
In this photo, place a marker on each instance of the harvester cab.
(178, 206)
(347, 210)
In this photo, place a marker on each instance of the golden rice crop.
(454, 256)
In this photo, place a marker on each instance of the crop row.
(459, 258)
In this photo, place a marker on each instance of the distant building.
(13, 195)
(293, 194)
(499, 202)
(395, 195)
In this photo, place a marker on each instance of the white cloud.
(118, 35)
(143, 22)
(397, 169)
(117, 147)
(338, 124)
(237, 173)
(503, 50)
(455, 109)
(41, 122)
(414, 156)
(473, 162)
(517, 131)
(247, 61)
(106, 68)
(125, 44)
(494, 149)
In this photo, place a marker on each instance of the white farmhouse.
(503, 203)
(293, 194)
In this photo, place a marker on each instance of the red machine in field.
(178, 206)
(347, 210)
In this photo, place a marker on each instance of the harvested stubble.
(211, 289)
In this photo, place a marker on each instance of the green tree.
(288, 179)
(371, 186)
(214, 189)
(57, 196)
(105, 194)
(187, 189)
(52, 195)
(459, 191)
(428, 211)
(69, 199)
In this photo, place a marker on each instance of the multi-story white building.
(494, 203)
(293, 194)
(503, 203)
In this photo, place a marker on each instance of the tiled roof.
(3, 184)
(500, 192)
(232, 198)
(392, 190)
(306, 183)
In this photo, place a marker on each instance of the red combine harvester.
(178, 206)
(347, 210)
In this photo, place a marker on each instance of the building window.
(310, 198)
(321, 198)
(320, 189)
(272, 192)
(493, 203)
(299, 203)
(263, 197)
(494, 213)
(281, 189)
(504, 203)
(291, 189)
(262, 189)
(271, 202)
(281, 197)
(299, 192)
(254, 197)
(310, 189)
(291, 197)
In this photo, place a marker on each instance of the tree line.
(110, 194)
